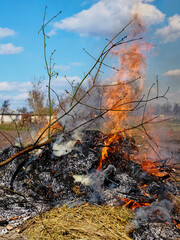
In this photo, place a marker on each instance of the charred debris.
(69, 170)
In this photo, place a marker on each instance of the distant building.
(9, 116)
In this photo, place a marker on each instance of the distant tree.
(36, 98)
(176, 109)
(22, 110)
(167, 109)
(4, 109)
(5, 105)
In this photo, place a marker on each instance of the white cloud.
(148, 13)
(62, 67)
(14, 86)
(172, 73)
(5, 86)
(5, 32)
(65, 68)
(9, 48)
(108, 17)
(16, 101)
(171, 32)
(52, 33)
(21, 96)
(59, 84)
(22, 88)
(62, 82)
(17, 92)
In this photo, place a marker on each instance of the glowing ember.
(152, 168)
(133, 204)
(178, 225)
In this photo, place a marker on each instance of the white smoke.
(63, 146)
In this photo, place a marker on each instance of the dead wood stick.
(26, 150)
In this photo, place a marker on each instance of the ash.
(156, 231)
(65, 172)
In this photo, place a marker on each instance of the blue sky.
(82, 24)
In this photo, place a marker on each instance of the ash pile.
(69, 170)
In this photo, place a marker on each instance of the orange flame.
(55, 127)
(178, 225)
(120, 96)
(114, 139)
(133, 204)
(152, 168)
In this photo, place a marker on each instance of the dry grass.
(83, 222)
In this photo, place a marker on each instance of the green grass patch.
(12, 127)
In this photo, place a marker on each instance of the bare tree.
(22, 110)
(4, 108)
(176, 109)
(36, 98)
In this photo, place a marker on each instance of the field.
(12, 136)
(168, 134)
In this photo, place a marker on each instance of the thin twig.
(26, 150)
(106, 65)
(50, 19)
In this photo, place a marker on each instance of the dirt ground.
(8, 138)
(172, 138)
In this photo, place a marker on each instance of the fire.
(178, 225)
(111, 143)
(119, 99)
(152, 168)
(120, 96)
(55, 127)
(133, 204)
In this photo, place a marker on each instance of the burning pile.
(50, 179)
(98, 167)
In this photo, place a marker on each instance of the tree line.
(167, 109)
